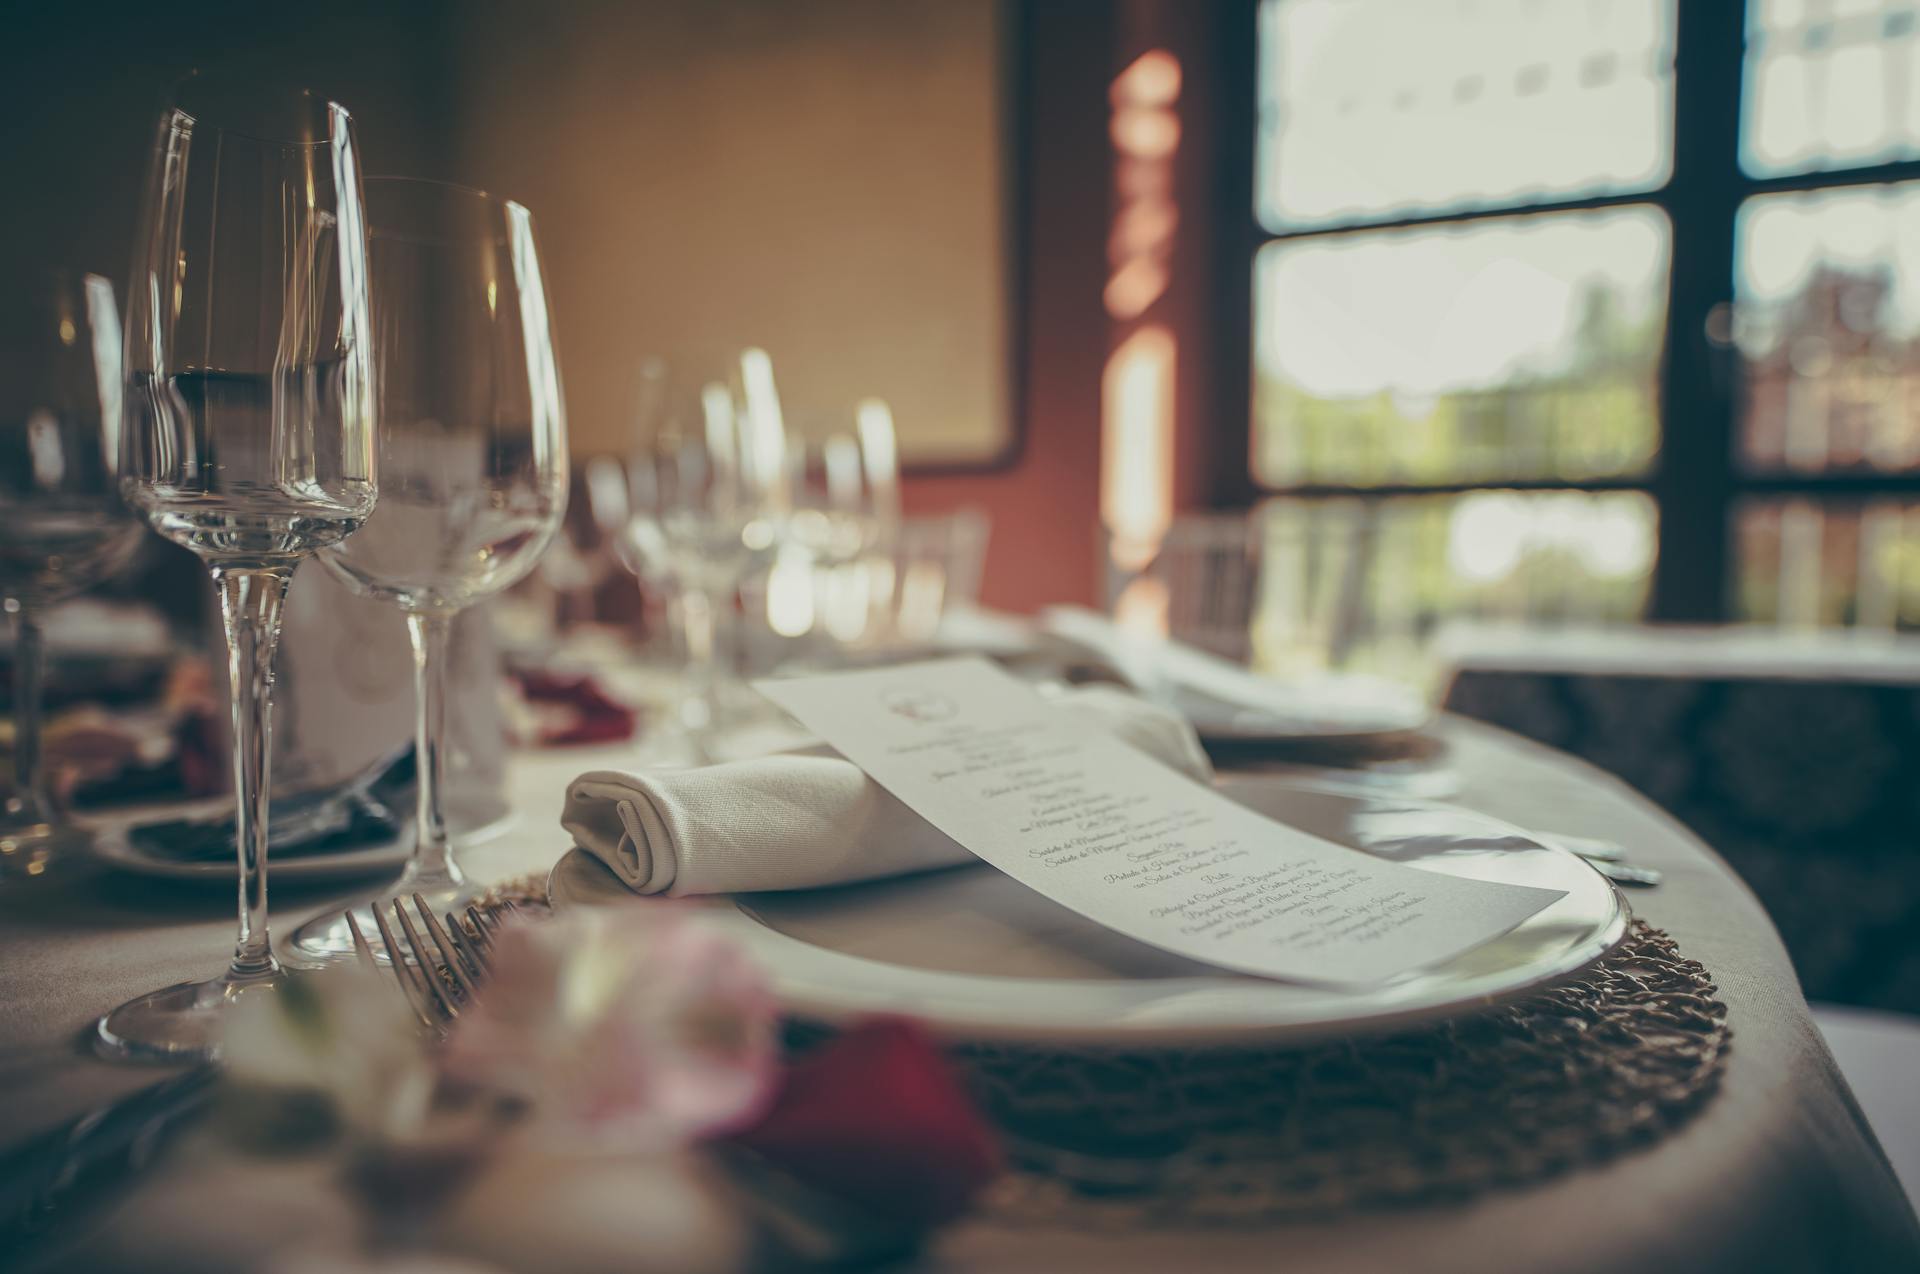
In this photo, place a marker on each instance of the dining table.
(1776, 1169)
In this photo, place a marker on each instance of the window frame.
(1695, 479)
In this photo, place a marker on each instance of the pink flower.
(631, 1028)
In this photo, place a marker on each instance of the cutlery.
(438, 964)
(1609, 858)
(62, 1174)
(1626, 873)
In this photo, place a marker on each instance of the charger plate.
(978, 956)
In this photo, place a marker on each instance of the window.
(1586, 308)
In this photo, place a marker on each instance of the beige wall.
(819, 177)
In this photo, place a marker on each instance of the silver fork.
(439, 965)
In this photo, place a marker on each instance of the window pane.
(1830, 84)
(1371, 109)
(1810, 564)
(1506, 349)
(1360, 584)
(1828, 323)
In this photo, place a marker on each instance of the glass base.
(325, 939)
(183, 1023)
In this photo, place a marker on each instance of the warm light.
(1146, 133)
(1152, 79)
(1136, 445)
(1143, 606)
(1133, 287)
(1147, 180)
(1136, 390)
(1143, 225)
(1151, 132)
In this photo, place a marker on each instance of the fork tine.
(449, 955)
(426, 966)
(360, 947)
(483, 939)
(404, 972)
(475, 959)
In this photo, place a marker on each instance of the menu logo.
(919, 705)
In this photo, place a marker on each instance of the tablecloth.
(1778, 1172)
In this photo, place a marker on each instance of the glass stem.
(250, 603)
(29, 803)
(700, 709)
(431, 866)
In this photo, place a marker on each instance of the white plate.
(1331, 708)
(111, 845)
(978, 956)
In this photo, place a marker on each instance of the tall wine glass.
(473, 460)
(250, 433)
(62, 523)
(710, 497)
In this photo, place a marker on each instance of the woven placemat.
(1570, 1075)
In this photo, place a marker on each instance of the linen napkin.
(800, 820)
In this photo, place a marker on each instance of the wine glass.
(250, 427)
(846, 510)
(62, 523)
(582, 557)
(473, 461)
(710, 494)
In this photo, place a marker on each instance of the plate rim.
(110, 844)
(836, 1005)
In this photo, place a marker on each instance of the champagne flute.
(710, 497)
(250, 432)
(473, 462)
(62, 523)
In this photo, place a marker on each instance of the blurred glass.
(62, 523)
(934, 569)
(584, 555)
(1363, 586)
(1303, 586)
(1499, 349)
(1376, 109)
(1830, 84)
(835, 562)
(1828, 324)
(1806, 564)
(711, 496)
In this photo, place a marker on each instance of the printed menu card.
(1104, 829)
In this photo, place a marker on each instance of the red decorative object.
(594, 716)
(876, 1118)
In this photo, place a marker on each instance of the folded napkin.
(799, 820)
